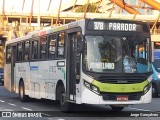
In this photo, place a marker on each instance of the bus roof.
(37, 33)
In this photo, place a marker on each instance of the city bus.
(89, 61)
(156, 65)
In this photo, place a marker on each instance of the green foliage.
(91, 8)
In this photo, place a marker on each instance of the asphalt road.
(9, 102)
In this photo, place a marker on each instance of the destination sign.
(122, 26)
(117, 26)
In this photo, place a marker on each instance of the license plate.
(122, 98)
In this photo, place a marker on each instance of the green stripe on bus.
(120, 88)
(64, 73)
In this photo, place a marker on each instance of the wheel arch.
(20, 80)
(59, 85)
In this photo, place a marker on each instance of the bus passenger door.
(71, 67)
(13, 59)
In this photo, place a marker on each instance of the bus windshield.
(116, 54)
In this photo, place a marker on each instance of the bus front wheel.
(22, 95)
(64, 104)
(116, 108)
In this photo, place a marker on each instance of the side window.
(34, 53)
(8, 54)
(26, 50)
(43, 46)
(142, 50)
(20, 52)
(61, 45)
(52, 46)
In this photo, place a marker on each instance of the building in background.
(19, 17)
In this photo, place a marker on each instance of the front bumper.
(90, 97)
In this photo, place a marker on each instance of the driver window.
(142, 57)
(141, 53)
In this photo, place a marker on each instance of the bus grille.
(113, 96)
(121, 79)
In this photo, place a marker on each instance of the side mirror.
(80, 44)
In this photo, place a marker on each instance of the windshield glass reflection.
(116, 54)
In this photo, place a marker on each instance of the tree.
(91, 8)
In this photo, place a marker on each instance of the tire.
(22, 96)
(64, 104)
(115, 108)
(154, 91)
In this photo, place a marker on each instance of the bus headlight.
(91, 87)
(87, 84)
(147, 88)
(94, 89)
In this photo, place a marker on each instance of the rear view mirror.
(80, 44)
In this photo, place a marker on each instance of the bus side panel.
(43, 76)
(7, 76)
(35, 84)
(23, 72)
(56, 72)
(50, 83)
(61, 71)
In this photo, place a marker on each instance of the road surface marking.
(2, 101)
(12, 104)
(46, 114)
(26, 109)
(138, 109)
(7, 110)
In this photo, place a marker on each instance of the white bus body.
(47, 78)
